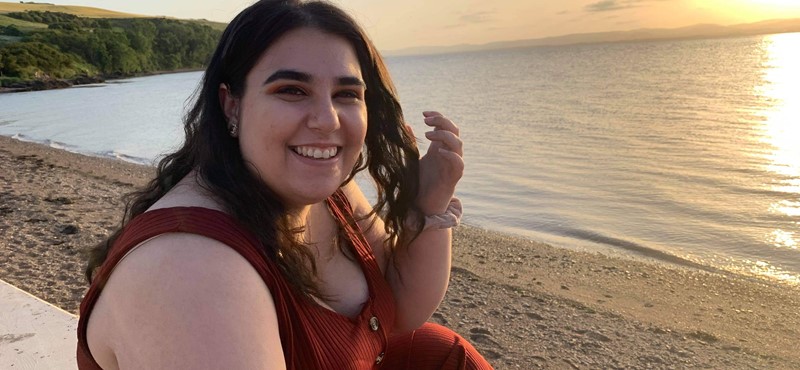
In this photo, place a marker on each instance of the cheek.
(249, 147)
(359, 126)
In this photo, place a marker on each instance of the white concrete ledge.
(35, 334)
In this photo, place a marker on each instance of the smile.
(316, 152)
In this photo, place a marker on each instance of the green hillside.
(219, 26)
(46, 49)
(22, 25)
(86, 12)
(81, 11)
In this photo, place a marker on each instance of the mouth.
(314, 152)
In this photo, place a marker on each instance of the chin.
(307, 199)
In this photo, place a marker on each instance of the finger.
(442, 123)
(455, 160)
(431, 113)
(448, 139)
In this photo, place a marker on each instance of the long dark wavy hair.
(390, 153)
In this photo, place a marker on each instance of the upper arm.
(183, 301)
(373, 227)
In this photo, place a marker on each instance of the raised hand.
(442, 165)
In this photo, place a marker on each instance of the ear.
(228, 102)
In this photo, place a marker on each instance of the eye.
(290, 90)
(290, 93)
(349, 95)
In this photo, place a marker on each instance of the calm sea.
(682, 151)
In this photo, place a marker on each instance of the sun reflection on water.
(782, 87)
(784, 238)
(766, 269)
(781, 134)
(781, 127)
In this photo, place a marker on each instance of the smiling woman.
(295, 162)
(254, 249)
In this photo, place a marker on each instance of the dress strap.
(343, 213)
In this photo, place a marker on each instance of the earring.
(233, 128)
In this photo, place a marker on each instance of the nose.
(325, 117)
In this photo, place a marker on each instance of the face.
(302, 117)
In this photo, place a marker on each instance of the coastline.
(53, 84)
(523, 304)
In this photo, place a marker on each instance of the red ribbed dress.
(312, 336)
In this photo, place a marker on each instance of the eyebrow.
(288, 74)
(351, 81)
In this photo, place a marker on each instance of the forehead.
(311, 51)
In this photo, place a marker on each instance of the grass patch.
(81, 11)
(214, 25)
(21, 25)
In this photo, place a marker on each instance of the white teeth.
(316, 153)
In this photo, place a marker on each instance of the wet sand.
(524, 304)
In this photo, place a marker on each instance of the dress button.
(379, 359)
(373, 323)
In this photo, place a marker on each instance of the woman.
(253, 249)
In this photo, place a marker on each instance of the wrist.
(451, 217)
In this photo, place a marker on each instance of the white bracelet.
(450, 218)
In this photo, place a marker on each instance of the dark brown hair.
(390, 154)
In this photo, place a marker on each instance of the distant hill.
(699, 31)
(81, 11)
(84, 11)
(44, 49)
(5, 21)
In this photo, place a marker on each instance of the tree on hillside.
(49, 18)
(30, 60)
(121, 58)
(141, 35)
(115, 47)
(10, 30)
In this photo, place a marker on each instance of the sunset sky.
(399, 24)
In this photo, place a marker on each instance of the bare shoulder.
(188, 193)
(185, 301)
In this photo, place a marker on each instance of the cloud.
(477, 17)
(473, 18)
(606, 6)
(613, 5)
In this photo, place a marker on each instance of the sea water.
(683, 151)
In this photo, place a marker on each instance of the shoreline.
(61, 83)
(638, 254)
(523, 304)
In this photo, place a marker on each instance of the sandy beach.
(524, 304)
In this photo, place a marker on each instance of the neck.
(299, 217)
